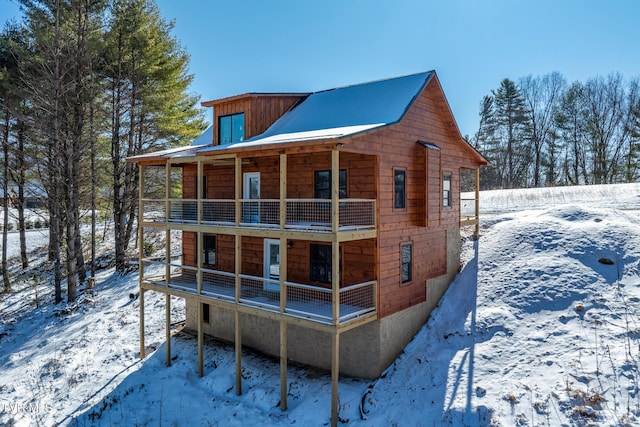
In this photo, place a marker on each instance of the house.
(319, 227)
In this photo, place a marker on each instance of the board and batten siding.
(260, 111)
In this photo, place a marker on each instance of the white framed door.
(272, 264)
(251, 191)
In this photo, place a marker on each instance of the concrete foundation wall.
(365, 351)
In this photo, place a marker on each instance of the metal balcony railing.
(306, 214)
(306, 301)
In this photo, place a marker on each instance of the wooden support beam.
(238, 323)
(283, 191)
(238, 354)
(283, 365)
(142, 349)
(200, 341)
(477, 230)
(238, 174)
(335, 376)
(335, 190)
(168, 321)
(141, 256)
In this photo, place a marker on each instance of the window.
(320, 259)
(205, 313)
(399, 189)
(406, 257)
(231, 128)
(322, 184)
(209, 249)
(446, 190)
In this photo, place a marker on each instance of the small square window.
(406, 257)
(231, 128)
(446, 190)
(399, 189)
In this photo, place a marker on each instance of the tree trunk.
(20, 205)
(5, 203)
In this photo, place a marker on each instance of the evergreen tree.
(513, 133)
(149, 107)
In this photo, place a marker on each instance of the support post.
(335, 190)
(335, 284)
(168, 320)
(477, 201)
(142, 349)
(335, 376)
(283, 191)
(141, 255)
(238, 323)
(283, 365)
(200, 341)
(238, 174)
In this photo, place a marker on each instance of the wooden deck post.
(199, 244)
(200, 341)
(167, 278)
(168, 320)
(141, 255)
(142, 349)
(477, 201)
(335, 376)
(283, 285)
(335, 284)
(238, 323)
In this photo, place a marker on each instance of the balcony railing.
(306, 214)
(306, 301)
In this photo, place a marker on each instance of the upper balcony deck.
(290, 214)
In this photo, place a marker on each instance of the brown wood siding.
(189, 172)
(260, 112)
(358, 262)
(429, 120)
(360, 174)
(370, 159)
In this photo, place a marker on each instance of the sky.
(304, 46)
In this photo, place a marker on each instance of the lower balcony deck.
(300, 300)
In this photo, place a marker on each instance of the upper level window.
(446, 190)
(322, 184)
(209, 249)
(399, 189)
(231, 128)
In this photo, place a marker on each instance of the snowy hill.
(539, 328)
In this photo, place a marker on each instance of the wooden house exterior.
(321, 228)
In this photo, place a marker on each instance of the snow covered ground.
(535, 330)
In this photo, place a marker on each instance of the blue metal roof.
(339, 112)
(370, 104)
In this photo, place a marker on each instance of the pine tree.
(513, 133)
(149, 107)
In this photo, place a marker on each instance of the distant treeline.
(83, 85)
(542, 131)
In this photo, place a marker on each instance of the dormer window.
(231, 128)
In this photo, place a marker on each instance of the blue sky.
(298, 46)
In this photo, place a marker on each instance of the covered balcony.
(294, 300)
(300, 214)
